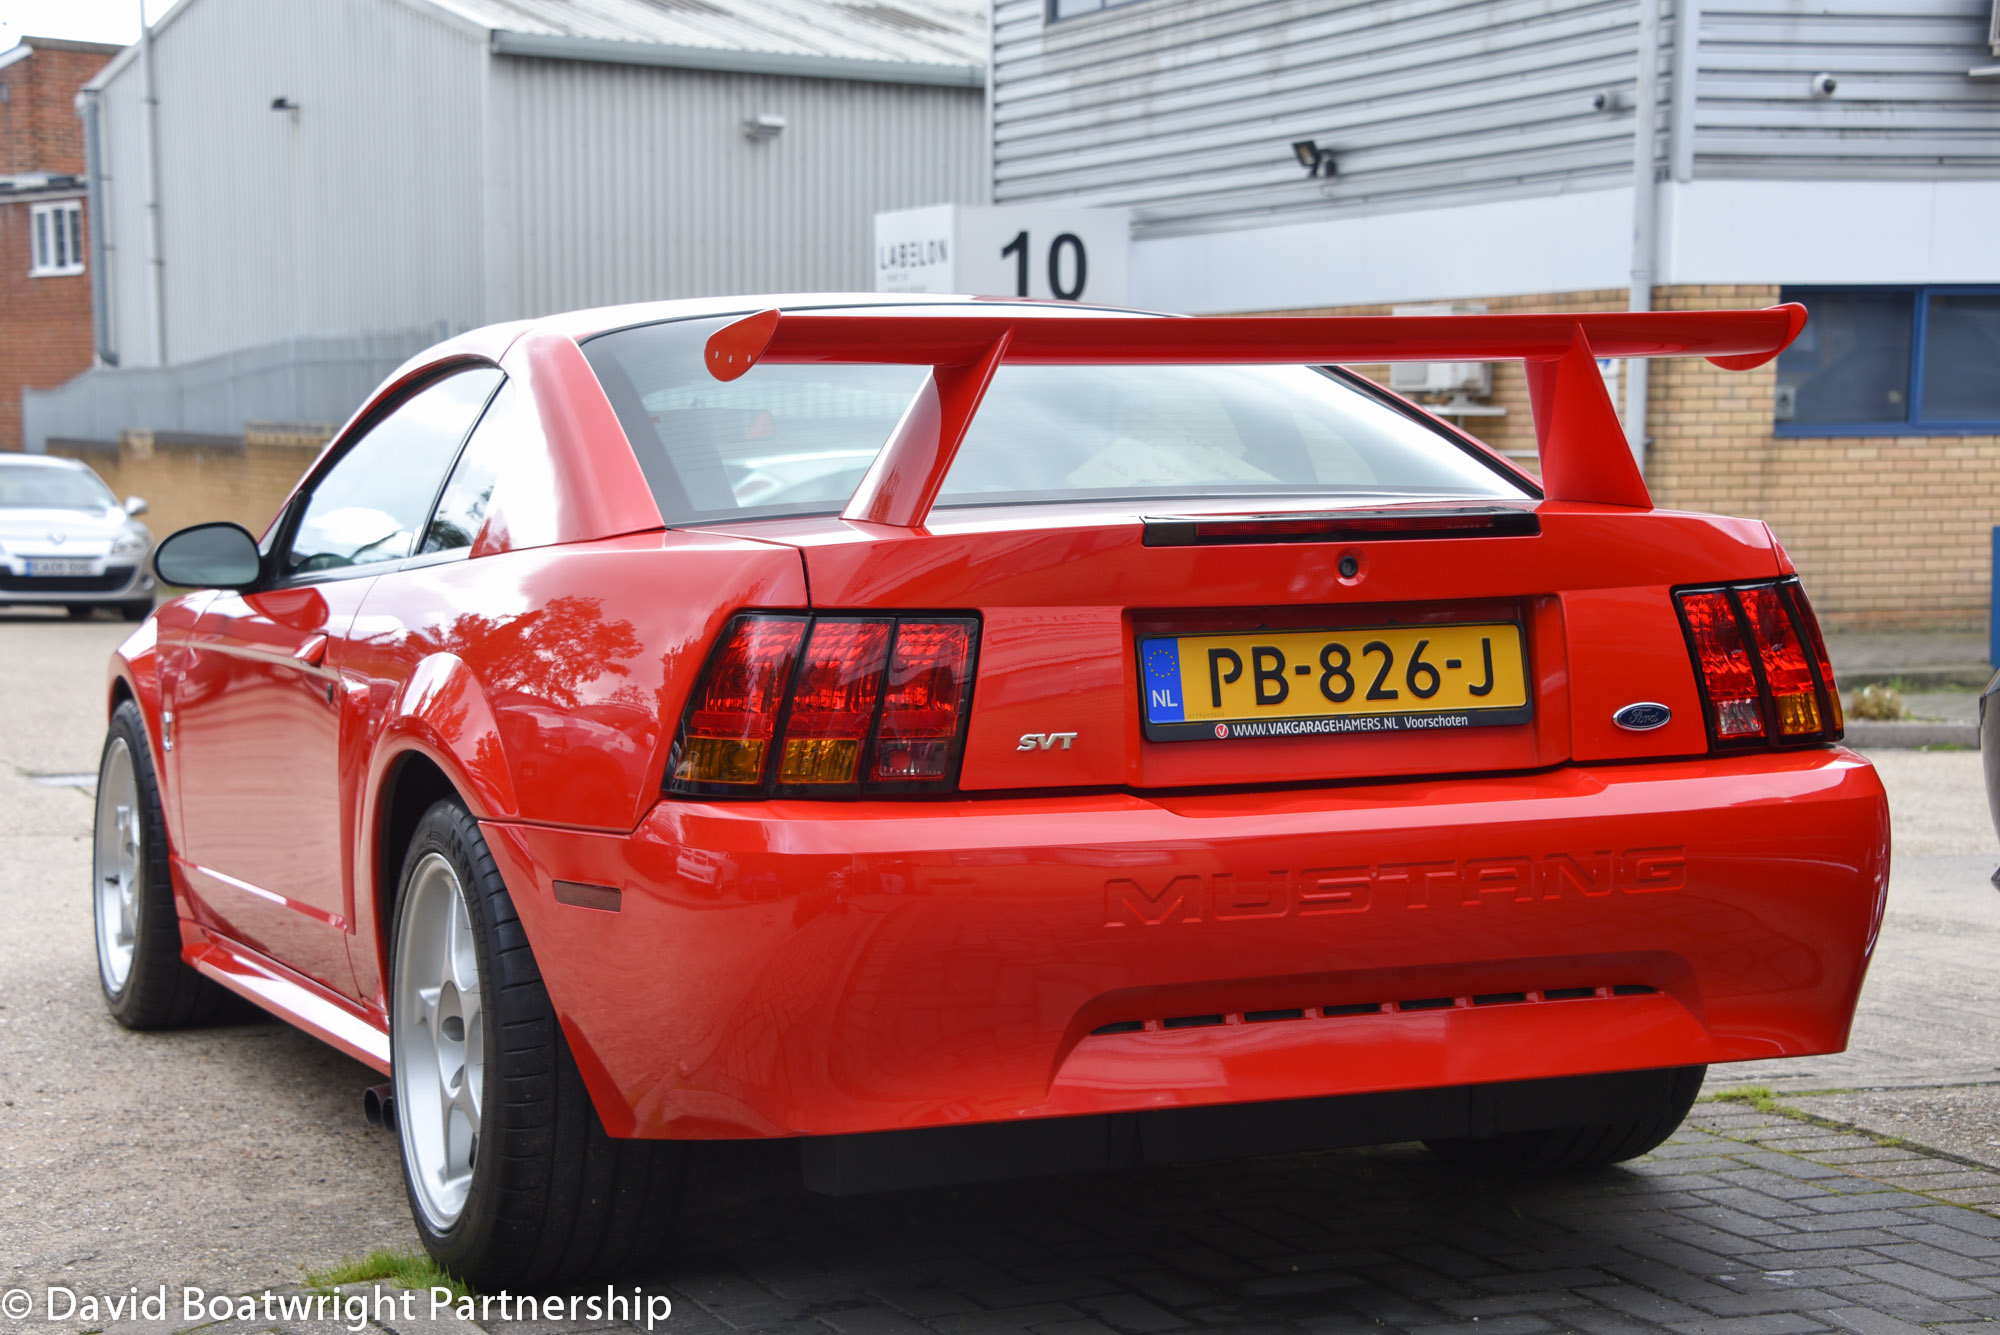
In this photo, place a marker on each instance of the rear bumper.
(790, 968)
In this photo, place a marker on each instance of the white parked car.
(65, 539)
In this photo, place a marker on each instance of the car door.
(259, 705)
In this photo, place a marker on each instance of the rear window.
(785, 440)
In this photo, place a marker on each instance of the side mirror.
(209, 556)
(135, 506)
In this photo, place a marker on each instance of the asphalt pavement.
(234, 1159)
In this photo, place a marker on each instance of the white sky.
(85, 20)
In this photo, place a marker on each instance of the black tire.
(161, 991)
(78, 611)
(552, 1197)
(1577, 1148)
(136, 610)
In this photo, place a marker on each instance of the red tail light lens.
(726, 736)
(1764, 672)
(925, 705)
(1795, 596)
(1728, 679)
(854, 705)
(1794, 693)
(833, 703)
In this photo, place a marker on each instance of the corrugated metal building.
(1349, 156)
(344, 167)
(1518, 115)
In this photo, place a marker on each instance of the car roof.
(40, 461)
(490, 342)
(603, 319)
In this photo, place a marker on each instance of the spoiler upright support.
(1584, 455)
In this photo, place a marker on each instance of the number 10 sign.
(1004, 251)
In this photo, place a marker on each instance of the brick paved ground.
(1744, 1224)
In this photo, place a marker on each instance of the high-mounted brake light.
(849, 705)
(1764, 672)
(1475, 521)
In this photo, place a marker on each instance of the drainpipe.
(986, 187)
(156, 258)
(1687, 41)
(1645, 215)
(87, 106)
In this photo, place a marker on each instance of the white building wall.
(359, 212)
(1726, 231)
(632, 183)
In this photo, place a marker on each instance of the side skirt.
(292, 997)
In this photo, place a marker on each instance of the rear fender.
(443, 712)
(441, 716)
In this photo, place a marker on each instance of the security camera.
(1607, 99)
(1823, 85)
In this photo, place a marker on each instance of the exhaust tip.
(378, 1105)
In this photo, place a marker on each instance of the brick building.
(45, 330)
(1588, 155)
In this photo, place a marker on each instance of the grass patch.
(410, 1270)
(1759, 1097)
(1764, 1100)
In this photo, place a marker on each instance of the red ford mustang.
(974, 738)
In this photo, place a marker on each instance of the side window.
(467, 496)
(370, 505)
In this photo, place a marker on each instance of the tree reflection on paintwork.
(549, 654)
(543, 673)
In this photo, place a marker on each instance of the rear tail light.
(1762, 664)
(831, 706)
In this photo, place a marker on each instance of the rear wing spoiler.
(1583, 450)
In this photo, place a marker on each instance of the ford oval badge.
(1642, 717)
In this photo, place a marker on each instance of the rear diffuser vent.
(1476, 1001)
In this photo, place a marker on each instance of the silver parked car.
(65, 539)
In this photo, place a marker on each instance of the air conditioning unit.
(1473, 379)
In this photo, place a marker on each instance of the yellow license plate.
(1312, 682)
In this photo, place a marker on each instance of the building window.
(1884, 361)
(1069, 9)
(55, 234)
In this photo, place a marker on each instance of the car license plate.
(1300, 683)
(69, 567)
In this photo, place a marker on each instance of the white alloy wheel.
(439, 1040)
(118, 861)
